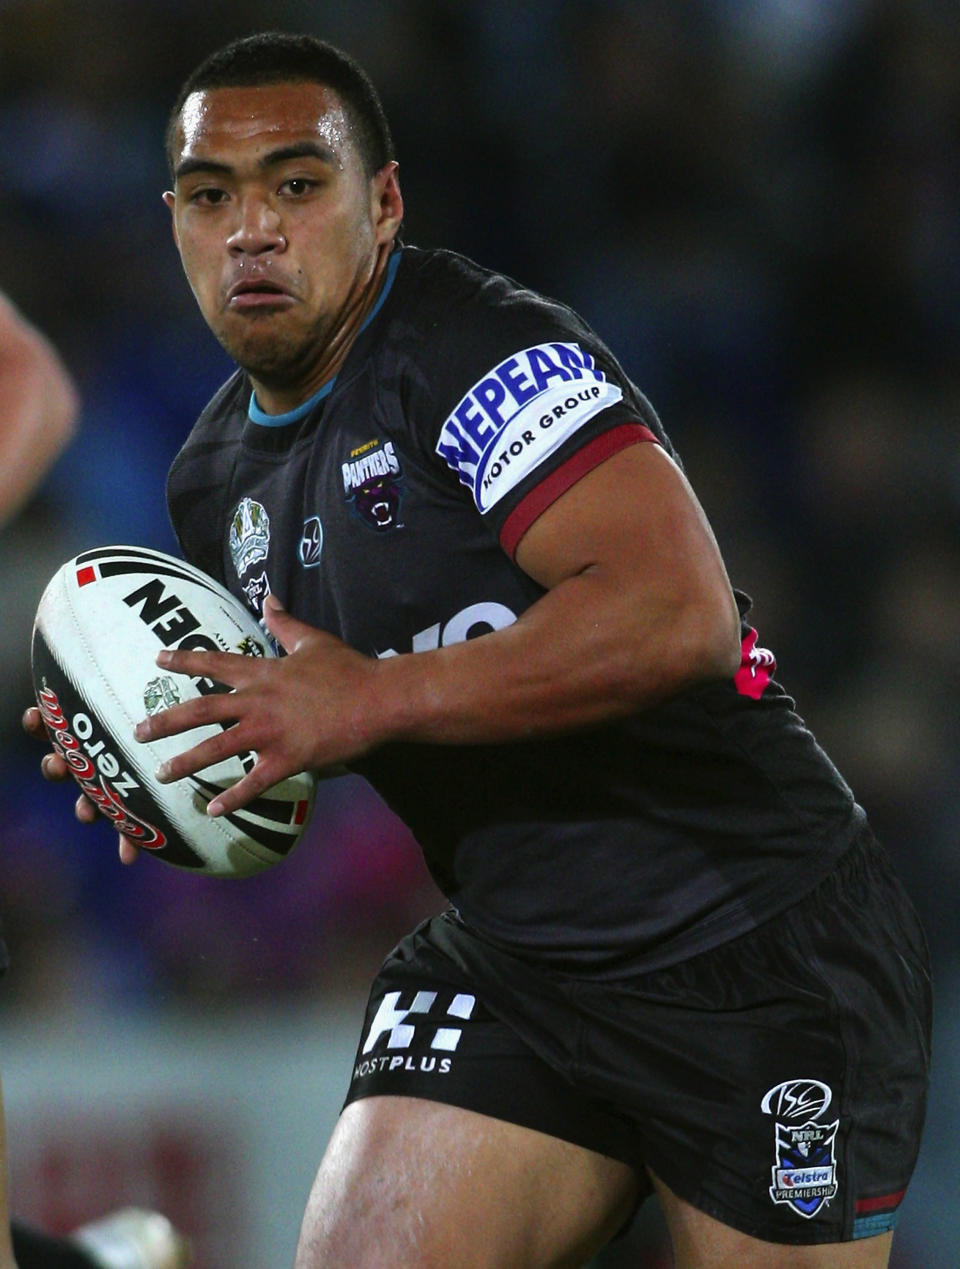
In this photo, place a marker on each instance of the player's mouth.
(250, 295)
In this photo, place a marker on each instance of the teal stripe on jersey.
(257, 415)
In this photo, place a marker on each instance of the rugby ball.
(100, 623)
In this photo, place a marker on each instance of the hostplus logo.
(418, 1038)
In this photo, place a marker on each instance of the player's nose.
(257, 227)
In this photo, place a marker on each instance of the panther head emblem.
(377, 502)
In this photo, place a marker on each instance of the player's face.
(282, 234)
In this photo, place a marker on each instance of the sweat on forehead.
(274, 57)
(308, 116)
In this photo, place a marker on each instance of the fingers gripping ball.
(100, 623)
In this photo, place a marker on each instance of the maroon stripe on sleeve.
(559, 481)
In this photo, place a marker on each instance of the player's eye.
(208, 196)
(298, 186)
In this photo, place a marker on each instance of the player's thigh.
(407, 1182)
(701, 1242)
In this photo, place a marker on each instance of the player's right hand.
(54, 768)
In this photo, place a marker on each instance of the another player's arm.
(38, 407)
(638, 607)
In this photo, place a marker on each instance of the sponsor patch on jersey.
(519, 414)
(804, 1172)
(373, 484)
(468, 623)
(249, 537)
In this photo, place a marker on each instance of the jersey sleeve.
(531, 400)
(560, 478)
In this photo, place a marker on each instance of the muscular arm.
(38, 408)
(637, 607)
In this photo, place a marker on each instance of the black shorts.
(777, 1083)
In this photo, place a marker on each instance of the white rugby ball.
(100, 623)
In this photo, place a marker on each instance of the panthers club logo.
(372, 484)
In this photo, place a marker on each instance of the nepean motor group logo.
(519, 414)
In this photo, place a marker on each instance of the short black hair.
(279, 57)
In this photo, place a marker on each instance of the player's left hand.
(55, 768)
(300, 712)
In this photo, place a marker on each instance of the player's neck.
(281, 398)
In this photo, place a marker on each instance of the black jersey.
(386, 510)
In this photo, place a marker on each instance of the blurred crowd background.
(755, 202)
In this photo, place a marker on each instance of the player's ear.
(387, 202)
(170, 199)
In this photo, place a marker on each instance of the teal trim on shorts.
(879, 1223)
